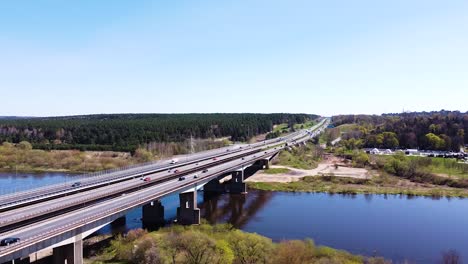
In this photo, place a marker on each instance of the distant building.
(411, 152)
(375, 151)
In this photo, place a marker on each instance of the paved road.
(69, 221)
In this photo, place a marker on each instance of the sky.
(299, 56)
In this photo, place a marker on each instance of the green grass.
(297, 160)
(305, 125)
(280, 127)
(448, 167)
(276, 171)
(346, 127)
(342, 185)
(217, 244)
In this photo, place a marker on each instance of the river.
(396, 227)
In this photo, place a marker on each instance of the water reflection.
(236, 209)
(398, 227)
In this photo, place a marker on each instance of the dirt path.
(324, 168)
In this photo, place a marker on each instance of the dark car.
(176, 171)
(147, 179)
(205, 170)
(8, 241)
(76, 184)
(181, 178)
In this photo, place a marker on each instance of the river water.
(396, 227)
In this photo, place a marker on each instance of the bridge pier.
(70, 253)
(19, 261)
(235, 185)
(188, 213)
(153, 214)
(265, 164)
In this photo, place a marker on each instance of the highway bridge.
(60, 216)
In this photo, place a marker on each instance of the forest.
(442, 130)
(126, 132)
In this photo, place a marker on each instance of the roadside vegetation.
(217, 244)
(276, 170)
(376, 185)
(443, 130)
(22, 157)
(300, 157)
(127, 132)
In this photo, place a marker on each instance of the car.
(266, 152)
(243, 158)
(181, 178)
(76, 184)
(9, 240)
(196, 164)
(215, 158)
(173, 161)
(147, 179)
(227, 150)
(195, 176)
(205, 170)
(176, 171)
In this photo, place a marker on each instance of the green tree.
(24, 145)
(390, 140)
(250, 248)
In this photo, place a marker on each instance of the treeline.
(443, 130)
(221, 244)
(125, 132)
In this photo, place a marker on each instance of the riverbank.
(344, 185)
(338, 175)
(217, 244)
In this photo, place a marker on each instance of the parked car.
(9, 240)
(181, 178)
(76, 184)
(176, 171)
(205, 170)
(147, 179)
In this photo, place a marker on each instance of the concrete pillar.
(19, 261)
(69, 254)
(214, 186)
(188, 213)
(266, 164)
(153, 213)
(121, 221)
(237, 184)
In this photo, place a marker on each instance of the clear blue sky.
(324, 57)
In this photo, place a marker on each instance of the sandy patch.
(326, 167)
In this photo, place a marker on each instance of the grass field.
(378, 185)
(276, 171)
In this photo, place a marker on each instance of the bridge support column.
(19, 261)
(69, 254)
(153, 213)
(188, 213)
(237, 184)
(119, 221)
(265, 164)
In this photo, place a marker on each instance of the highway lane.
(24, 213)
(41, 229)
(97, 178)
(14, 200)
(85, 214)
